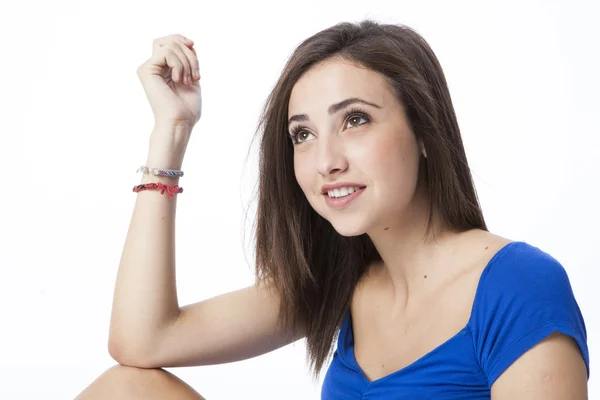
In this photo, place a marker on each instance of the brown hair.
(314, 268)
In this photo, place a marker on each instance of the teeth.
(341, 192)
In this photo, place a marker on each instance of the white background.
(75, 123)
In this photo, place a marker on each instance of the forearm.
(145, 297)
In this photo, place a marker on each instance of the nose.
(330, 158)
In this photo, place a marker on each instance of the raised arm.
(148, 328)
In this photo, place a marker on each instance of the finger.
(166, 57)
(163, 41)
(177, 49)
(173, 56)
(190, 53)
(178, 44)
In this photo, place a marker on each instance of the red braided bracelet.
(171, 189)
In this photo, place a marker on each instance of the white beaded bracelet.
(160, 172)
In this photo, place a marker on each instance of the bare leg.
(128, 383)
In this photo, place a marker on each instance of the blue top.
(523, 295)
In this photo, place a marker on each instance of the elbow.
(129, 354)
(116, 350)
(121, 353)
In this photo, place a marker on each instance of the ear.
(423, 151)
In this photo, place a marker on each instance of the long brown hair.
(313, 268)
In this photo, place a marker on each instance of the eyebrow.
(334, 108)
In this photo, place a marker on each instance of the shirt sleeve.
(524, 296)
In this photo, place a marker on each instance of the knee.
(120, 372)
(138, 383)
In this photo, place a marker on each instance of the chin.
(348, 229)
(345, 225)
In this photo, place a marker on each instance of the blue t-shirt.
(523, 296)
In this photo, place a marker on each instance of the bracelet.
(160, 172)
(171, 189)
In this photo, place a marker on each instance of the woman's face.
(365, 145)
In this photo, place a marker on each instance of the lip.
(326, 188)
(342, 201)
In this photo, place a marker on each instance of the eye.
(356, 114)
(357, 117)
(298, 134)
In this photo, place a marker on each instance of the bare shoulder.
(474, 253)
(485, 243)
(482, 246)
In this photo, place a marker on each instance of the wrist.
(167, 146)
(163, 160)
(177, 131)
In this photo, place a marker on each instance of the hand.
(171, 81)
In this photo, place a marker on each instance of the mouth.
(344, 199)
(338, 193)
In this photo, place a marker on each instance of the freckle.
(425, 277)
(385, 229)
(487, 247)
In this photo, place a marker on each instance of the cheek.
(303, 176)
(306, 178)
(392, 161)
(381, 155)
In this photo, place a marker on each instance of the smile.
(343, 200)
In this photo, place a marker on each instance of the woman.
(368, 226)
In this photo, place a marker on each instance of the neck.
(413, 261)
